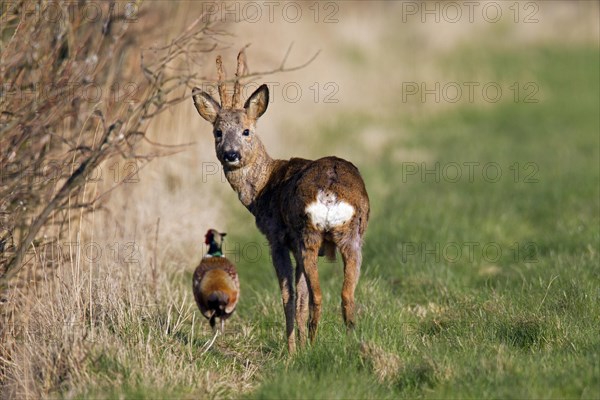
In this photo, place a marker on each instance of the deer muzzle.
(232, 157)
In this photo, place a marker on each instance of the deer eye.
(246, 132)
(218, 133)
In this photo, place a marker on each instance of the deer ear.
(207, 107)
(257, 103)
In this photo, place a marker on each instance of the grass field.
(479, 285)
(483, 286)
(481, 270)
(487, 288)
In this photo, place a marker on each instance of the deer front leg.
(301, 300)
(285, 275)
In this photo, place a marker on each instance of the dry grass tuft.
(385, 365)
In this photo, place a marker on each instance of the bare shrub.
(73, 96)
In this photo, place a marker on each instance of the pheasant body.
(215, 284)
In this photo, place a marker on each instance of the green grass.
(438, 317)
(464, 323)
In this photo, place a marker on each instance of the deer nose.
(231, 156)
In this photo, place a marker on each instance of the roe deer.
(303, 206)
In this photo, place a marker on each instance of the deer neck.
(250, 180)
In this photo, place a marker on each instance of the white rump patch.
(327, 212)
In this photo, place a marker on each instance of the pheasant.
(216, 285)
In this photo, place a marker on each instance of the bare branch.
(285, 57)
(280, 69)
(33, 133)
(242, 72)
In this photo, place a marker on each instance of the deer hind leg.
(285, 276)
(309, 254)
(301, 301)
(352, 257)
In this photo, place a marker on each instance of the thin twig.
(280, 69)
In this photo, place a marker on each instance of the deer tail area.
(328, 250)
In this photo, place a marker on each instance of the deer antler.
(221, 84)
(242, 68)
